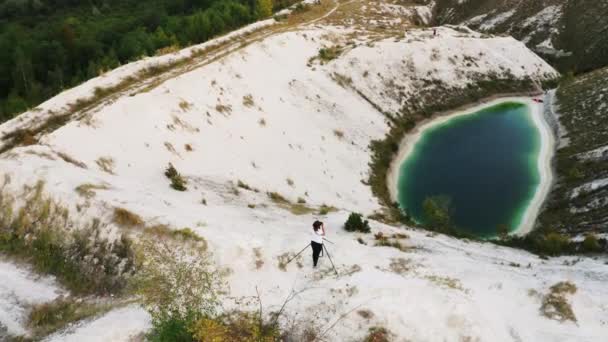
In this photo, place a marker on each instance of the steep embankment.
(579, 201)
(571, 34)
(272, 131)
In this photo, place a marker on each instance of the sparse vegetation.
(392, 241)
(106, 164)
(327, 54)
(126, 218)
(555, 304)
(88, 190)
(248, 101)
(377, 334)
(47, 318)
(177, 181)
(326, 209)
(41, 233)
(355, 223)
(185, 105)
(294, 208)
(243, 185)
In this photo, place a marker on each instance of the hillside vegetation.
(47, 46)
(572, 35)
(579, 201)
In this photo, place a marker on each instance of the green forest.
(47, 46)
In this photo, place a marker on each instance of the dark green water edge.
(485, 163)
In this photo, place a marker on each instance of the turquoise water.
(485, 163)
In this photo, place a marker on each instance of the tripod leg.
(329, 257)
(295, 256)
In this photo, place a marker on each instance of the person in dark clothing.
(316, 241)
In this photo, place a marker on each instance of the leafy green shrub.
(330, 53)
(355, 223)
(554, 244)
(591, 244)
(177, 181)
(437, 212)
(171, 328)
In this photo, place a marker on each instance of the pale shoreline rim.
(545, 154)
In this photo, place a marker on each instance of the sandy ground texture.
(277, 117)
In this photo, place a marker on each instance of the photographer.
(317, 240)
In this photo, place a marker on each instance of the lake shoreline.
(545, 154)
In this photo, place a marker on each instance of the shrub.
(591, 244)
(243, 185)
(330, 53)
(554, 243)
(377, 334)
(555, 305)
(177, 181)
(239, 326)
(355, 223)
(125, 218)
(437, 212)
(177, 285)
(42, 233)
(49, 317)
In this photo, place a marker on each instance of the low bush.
(47, 318)
(555, 304)
(355, 223)
(377, 334)
(125, 218)
(591, 244)
(329, 53)
(41, 233)
(177, 181)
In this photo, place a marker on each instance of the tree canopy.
(47, 46)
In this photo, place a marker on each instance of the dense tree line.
(50, 45)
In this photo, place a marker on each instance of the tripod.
(326, 252)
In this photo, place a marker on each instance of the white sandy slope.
(545, 154)
(315, 136)
(21, 288)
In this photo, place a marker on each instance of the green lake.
(485, 163)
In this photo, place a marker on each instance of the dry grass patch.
(185, 105)
(248, 101)
(365, 314)
(447, 282)
(125, 218)
(339, 134)
(223, 109)
(393, 240)
(87, 190)
(66, 158)
(555, 304)
(47, 318)
(294, 208)
(184, 234)
(106, 164)
(259, 262)
(401, 266)
(377, 334)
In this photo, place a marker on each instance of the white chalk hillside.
(279, 119)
